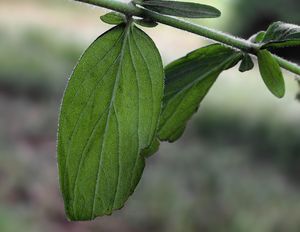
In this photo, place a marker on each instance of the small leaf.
(258, 37)
(113, 18)
(281, 34)
(246, 64)
(145, 22)
(271, 73)
(187, 82)
(109, 116)
(181, 9)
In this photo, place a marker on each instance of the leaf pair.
(115, 18)
(115, 112)
(111, 109)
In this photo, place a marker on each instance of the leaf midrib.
(107, 122)
(178, 10)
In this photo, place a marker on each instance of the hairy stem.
(229, 40)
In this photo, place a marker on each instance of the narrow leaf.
(281, 34)
(109, 115)
(271, 73)
(113, 18)
(246, 64)
(181, 9)
(187, 82)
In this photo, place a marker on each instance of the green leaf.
(271, 73)
(258, 37)
(187, 82)
(113, 18)
(109, 115)
(145, 22)
(246, 64)
(181, 9)
(281, 34)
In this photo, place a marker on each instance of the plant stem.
(226, 39)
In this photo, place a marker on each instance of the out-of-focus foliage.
(34, 63)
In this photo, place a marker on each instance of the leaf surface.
(187, 82)
(271, 73)
(181, 9)
(109, 116)
(281, 34)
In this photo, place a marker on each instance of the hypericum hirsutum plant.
(120, 102)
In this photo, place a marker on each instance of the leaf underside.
(188, 80)
(109, 116)
(181, 9)
(271, 73)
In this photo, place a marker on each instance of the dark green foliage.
(271, 73)
(109, 115)
(181, 9)
(278, 35)
(281, 34)
(246, 64)
(187, 82)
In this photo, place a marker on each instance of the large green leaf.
(271, 73)
(181, 9)
(281, 34)
(109, 118)
(187, 82)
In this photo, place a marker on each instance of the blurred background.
(237, 167)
